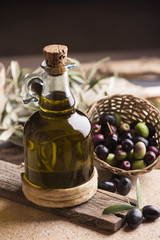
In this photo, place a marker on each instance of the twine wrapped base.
(60, 198)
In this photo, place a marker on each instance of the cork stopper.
(55, 55)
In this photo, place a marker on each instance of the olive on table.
(115, 179)
(124, 186)
(134, 218)
(108, 186)
(151, 212)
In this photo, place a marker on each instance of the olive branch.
(83, 83)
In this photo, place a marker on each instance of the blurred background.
(84, 26)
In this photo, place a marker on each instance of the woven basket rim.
(136, 172)
(121, 95)
(105, 165)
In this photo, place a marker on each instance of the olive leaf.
(77, 79)
(95, 67)
(138, 192)
(117, 208)
(121, 207)
(15, 70)
(6, 134)
(15, 112)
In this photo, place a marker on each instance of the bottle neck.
(56, 97)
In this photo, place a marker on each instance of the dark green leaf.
(4, 113)
(117, 208)
(95, 90)
(93, 83)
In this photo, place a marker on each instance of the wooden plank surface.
(89, 213)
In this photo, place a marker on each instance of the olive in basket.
(127, 146)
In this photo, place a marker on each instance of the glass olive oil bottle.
(57, 138)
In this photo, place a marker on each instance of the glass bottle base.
(60, 198)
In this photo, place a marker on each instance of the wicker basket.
(130, 108)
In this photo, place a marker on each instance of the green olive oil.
(58, 151)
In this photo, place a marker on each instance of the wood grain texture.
(89, 213)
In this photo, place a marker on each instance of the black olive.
(151, 212)
(110, 118)
(140, 139)
(152, 141)
(134, 217)
(152, 129)
(124, 186)
(127, 135)
(115, 179)
(133, 124)
(108, 186)
(101, 151)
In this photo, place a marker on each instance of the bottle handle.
(32, 88)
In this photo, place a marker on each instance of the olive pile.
(127, 146)
(117, 183)
(135, 216)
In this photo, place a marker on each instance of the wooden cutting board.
(88, 214)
